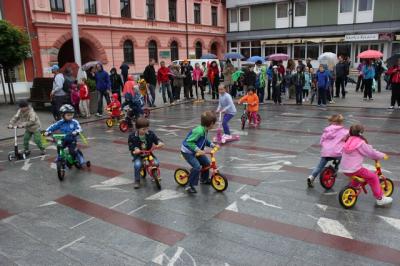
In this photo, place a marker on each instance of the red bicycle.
(150, 167)
(218, 181)
(250, 116)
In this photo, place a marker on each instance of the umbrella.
(209, 56)
(90, 64)
(233, 56)
(278, 57)
(370, 54)
(236, 75)
(72, 66)
(327, 58)
(391, 61)
(256, 58)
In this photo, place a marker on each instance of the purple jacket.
(332, 140)
(354, 151)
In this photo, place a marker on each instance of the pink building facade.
(130, 31)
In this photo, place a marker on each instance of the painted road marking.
(26, 165)
(71, 243)
(167, 194)
(177, 256)
(246, 197)
(233, 207)
(392, 221)
(137, 209)
(239, 189)
(333, 227)
(373, 251)
(322, 206)
(4, 214)
(48, 204)
(130, 223)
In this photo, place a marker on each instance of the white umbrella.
(328, 58)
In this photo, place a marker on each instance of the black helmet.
(67, 109)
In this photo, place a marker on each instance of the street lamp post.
(75, 33)
(187, 32)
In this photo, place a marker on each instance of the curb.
(104, 118)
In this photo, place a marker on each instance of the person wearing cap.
(308, 63)
(26, 117)
(57, 95)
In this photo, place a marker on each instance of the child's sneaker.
(384, 201)
(190, 189)
(310, 181)
(27, 153)
(136, 185)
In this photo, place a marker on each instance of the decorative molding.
(128, 37)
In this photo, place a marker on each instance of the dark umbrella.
(233, 56)
(391, 61)
(209, 56)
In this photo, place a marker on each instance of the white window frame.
(346, 17)
(233, 26)
(244, 25)
(365, 16)
(282, 22)
(300, 21)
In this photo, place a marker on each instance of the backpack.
(67, 85)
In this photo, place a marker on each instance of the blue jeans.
(324, 160)
(166, 87)
(225, 122)
(196, 163)
(137, 166)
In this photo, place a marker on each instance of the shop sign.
(165, 54)
(361, 37)
(386, 36)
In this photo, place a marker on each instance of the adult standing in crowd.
(91, 73)
(308, 63)
(228, 71)
(150, 77)
(368, 75)
(360, 80)
(394, 75)
(163, 74)
(379, 70)
(213, 77)
(177, 81)
(57, 94)
(204, 67)
(116, 83)
(187, 69)
(341, 70)
(290, 67)
(301, 65)
(103, 87)
(124, 72)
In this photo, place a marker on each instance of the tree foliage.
(14, 45)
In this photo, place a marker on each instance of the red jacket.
(213, 72)
(115, 108)
(394, 73)
(84, 92)
(163, 75)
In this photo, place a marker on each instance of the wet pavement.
(267, 216)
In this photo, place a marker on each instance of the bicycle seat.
(358, 179)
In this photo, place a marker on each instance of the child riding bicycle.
(115, 106)
(192, 150)
(354, 151)
(26, 117)
(332, 141)
(68, 126)
(252, 100)
(141, 140)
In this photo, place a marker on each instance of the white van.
(193, 62)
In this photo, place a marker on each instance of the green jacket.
(263, 76)
(196, 140)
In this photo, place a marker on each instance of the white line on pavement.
(329, 193)
(233, 207)
(248, 197)
(137, 209)
(71, 243)
(239, 189)
(333, 227)
(392, 221)
(118, 204)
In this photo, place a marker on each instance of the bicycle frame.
(363, 183)
(213, 165)
(149, 162)
(63, 154)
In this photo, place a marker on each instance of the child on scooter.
(192, 150)
(354, 151)
(252, 100)
(227, 107)
(26, 117)
(142, 139)
(68, 126)
(115, 106)
(332, 141)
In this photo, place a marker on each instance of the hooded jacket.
(163, 75)
(354, 151)
(332, 140)
(129, 86)
(115, 106)
(30, 120)
(102, 80)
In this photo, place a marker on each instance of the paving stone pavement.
(267, 216)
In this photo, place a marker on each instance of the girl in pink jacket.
(332, 141)
(354, 151)
(197, 80)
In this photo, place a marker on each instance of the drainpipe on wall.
(30, 39)
(187, 32)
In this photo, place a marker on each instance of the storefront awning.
(280, 41)
(320, 40)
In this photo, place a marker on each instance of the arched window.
(174, 51)
(129, 56)
(199, 50)
(153, 53)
